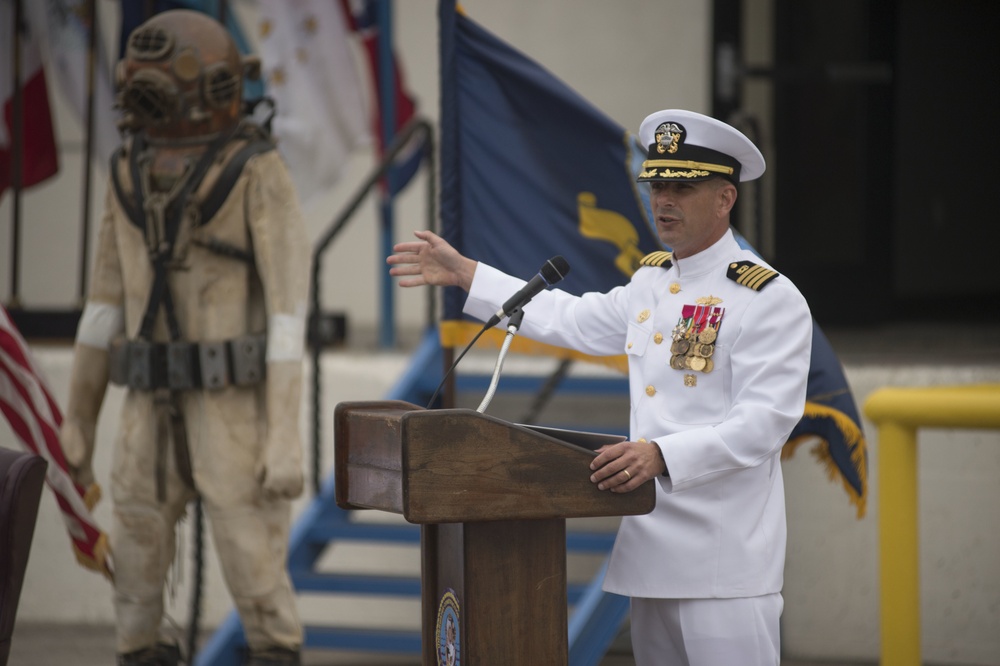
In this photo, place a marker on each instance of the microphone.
(552, 271)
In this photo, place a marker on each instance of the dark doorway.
(886, 146)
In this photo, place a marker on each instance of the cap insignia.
(750, 274)
(669, 137)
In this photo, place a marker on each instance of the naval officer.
(718, 347)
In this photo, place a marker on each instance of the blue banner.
(531, 170)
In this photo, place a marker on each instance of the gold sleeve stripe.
(659, 259)
(755, 277)
(687, 164)
(751, 275)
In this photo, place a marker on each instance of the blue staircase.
(596, 617)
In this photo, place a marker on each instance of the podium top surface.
(457, 465)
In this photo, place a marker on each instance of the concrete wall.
(831, 590)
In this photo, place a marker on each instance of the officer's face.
(691, 216)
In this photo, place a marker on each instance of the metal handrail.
(415, 128)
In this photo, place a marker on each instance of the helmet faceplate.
(181, 77)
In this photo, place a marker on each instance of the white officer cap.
(689, 146)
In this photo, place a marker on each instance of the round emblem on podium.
(449, 652)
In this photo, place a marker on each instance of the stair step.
(377, 640)
(309, 581)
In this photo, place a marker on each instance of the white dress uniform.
(718, 528)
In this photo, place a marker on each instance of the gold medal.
(706, 350)
(707, 336)
(709, 364)
(680, 346)
(696, 363)
(677, 362)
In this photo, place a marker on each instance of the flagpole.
(17, 157)
(387, 335)
(88, 151)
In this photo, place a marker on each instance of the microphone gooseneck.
(552, 271)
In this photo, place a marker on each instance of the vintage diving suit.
(197, 306)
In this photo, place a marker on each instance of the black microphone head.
(555, 269)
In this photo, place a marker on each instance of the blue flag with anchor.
(530, 169)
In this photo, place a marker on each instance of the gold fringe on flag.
(92, 496)
(102, 556)
(455, 333)
(853, 438)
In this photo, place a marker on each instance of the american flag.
(35, 418)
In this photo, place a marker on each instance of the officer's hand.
(625, 466)
(430, 261)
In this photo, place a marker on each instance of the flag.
(39, 159)
(311, 73)
(65, 27)
(523, 156)
(34, 416)
(363, 21)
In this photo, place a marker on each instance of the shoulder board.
(750, 274)
(660, 259)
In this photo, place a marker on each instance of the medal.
(695, 335)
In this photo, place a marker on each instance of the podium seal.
(449, 652)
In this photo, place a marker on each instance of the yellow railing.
(898, 412)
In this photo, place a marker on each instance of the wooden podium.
(492, 499)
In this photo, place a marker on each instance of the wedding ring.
(627, 475)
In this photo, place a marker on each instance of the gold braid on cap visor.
(699, 168)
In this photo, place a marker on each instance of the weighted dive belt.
(165, 369)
